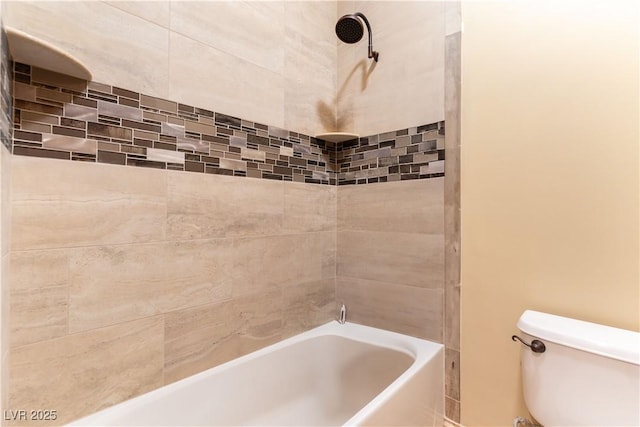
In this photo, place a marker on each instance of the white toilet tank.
(588, 375)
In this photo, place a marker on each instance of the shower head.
(349, 29)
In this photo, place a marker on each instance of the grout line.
(72, 334)
(114, 5)
(451, 423)
(171, 241)
(344, 276)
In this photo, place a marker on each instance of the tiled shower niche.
(62, 117)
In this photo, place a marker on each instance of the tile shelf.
(28, 49)
(337, 136)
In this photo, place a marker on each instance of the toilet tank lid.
(615, 343)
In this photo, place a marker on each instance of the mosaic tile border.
(6, 80)
(62, 117)
(413, 153)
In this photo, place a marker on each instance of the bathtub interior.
(322, 380)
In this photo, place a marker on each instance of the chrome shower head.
(349, 29)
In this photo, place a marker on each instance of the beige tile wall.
(5, 227)
(199, 269)
(109, 36)
(452, 211)
(269, 62)
(5, 233)
(406, 86)
(171, 271)
(74, 375)
(390, 255)
(278, 63)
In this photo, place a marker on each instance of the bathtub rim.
(423, 351)
(420, 350)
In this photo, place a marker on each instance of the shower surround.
(139, 245)
(199, 268)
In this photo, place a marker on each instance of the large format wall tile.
(202, 337)
(81, 373)
(204, 206)
(310, 67)
(195, 339)
(229, 83)
(4, 340)
(307, 305)
(277, 261)
(111, 284)
(241, 54)
(57, 204)
(259, 319)
(38, 314)
(410, 259)
(225, 297)
(406, 86)
(396, 307)
(39, 269)
(118, 47)
(414, 206)
(154, 11)
(310, 70)
(261, 44)
(309, 208)
(263, 263)
(390, 255)
(205, 336)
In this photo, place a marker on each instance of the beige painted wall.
(269, 62)
(406, 87)
(175, 272)
(549, 181)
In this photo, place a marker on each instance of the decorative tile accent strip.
(6, 126)
(62, 117)
(413, 153)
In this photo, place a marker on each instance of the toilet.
(581, 373)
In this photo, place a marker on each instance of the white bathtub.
(329, 376)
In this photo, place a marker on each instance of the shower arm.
(372, 54)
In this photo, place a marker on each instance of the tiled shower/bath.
(184, 183)
(203, 229)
